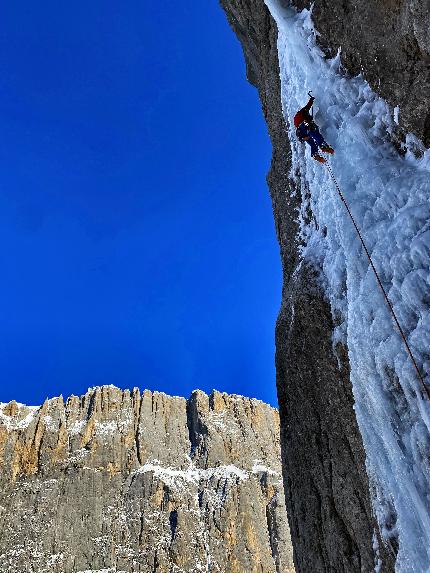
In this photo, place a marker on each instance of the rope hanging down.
(390, 306)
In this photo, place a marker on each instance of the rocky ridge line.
(127, 481)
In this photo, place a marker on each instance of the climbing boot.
(327, 149)
(319, 158)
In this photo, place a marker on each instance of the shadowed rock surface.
(119, 481)
(328, 500)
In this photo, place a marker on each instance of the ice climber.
(307, 130)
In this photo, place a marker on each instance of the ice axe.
(312, 111)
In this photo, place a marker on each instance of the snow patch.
(50, 423)
(174, 477)
(106, 428)
(77, 427)
(18, 422)
(258, 468)
(102, 571)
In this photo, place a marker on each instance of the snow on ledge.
(172, 477)
(259, 468)
(102, 571)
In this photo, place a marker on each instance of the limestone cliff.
(325, 478)
(120, 481)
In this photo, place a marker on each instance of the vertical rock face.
(119, 481)
(327, 487)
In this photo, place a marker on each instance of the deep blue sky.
(136, 233)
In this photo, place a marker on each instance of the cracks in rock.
(91, 405)
(272, 531)
(197, 431)
(173, 524)
(136, 432)
(142, 528)
(426, 132)
(200, 498)
(156, 563)
(191, 424)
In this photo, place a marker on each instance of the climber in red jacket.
(307, 130)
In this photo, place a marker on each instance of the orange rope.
(390, 306)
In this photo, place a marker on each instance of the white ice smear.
(396, 112)
(389, 197)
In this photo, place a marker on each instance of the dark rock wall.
(326, 485)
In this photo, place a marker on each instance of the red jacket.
(303, 114)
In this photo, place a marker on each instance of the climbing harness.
(390, 306)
